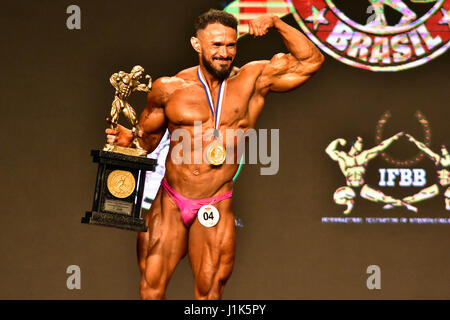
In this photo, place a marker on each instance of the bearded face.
(216, 45)
(220, 72)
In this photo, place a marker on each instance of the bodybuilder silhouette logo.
(354, 162)
(353, 165)
(377, 35)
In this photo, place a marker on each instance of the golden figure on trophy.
(122, 170)
(125, 84)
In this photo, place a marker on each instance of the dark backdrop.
(55, 95)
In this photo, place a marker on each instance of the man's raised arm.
(331, 149)
(285, 72)
(114, 79)
(422, 147)
(144, 87)
(373, 152)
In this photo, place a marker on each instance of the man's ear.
(195, 44)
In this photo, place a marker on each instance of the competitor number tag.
(208, 216)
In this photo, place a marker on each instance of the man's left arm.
(373, 152)
(144, 87)
(285, 72)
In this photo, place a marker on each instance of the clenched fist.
(261, 25)
(120, 136)
(342, 142)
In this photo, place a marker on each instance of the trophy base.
(119, 173)
(124, 150)
(114, 220)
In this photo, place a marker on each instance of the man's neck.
(212, 81)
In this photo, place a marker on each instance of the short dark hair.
(215, 16)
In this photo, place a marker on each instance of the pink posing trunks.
(189, 207)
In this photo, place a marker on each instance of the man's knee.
(147, 293)
(213, 295)
(447, 193)
(151, 291)
(344, 195)
(210, 285)
(210, 291)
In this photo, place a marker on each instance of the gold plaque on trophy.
(121, 183)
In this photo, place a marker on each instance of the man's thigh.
(212, 251)
(165, 243)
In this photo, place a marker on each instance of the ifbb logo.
(377, 35)
(354, 162)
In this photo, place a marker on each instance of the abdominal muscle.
(444, 177)
(355, 176)
(203, 180)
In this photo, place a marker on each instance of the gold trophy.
(121, 170)
(125, 84)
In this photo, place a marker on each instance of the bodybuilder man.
(176, 102)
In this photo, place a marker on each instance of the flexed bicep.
(114, 80)
(331, 149)
(284, 72)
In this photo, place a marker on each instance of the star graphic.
(317, 17)
(445, 17)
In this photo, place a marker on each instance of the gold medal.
(215, 153)
(121, 183)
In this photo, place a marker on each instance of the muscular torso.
(443, 177)
(443, 173)
(187, 103)
(354, 169)
(124, 87)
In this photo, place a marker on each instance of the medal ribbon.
(217, 113)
